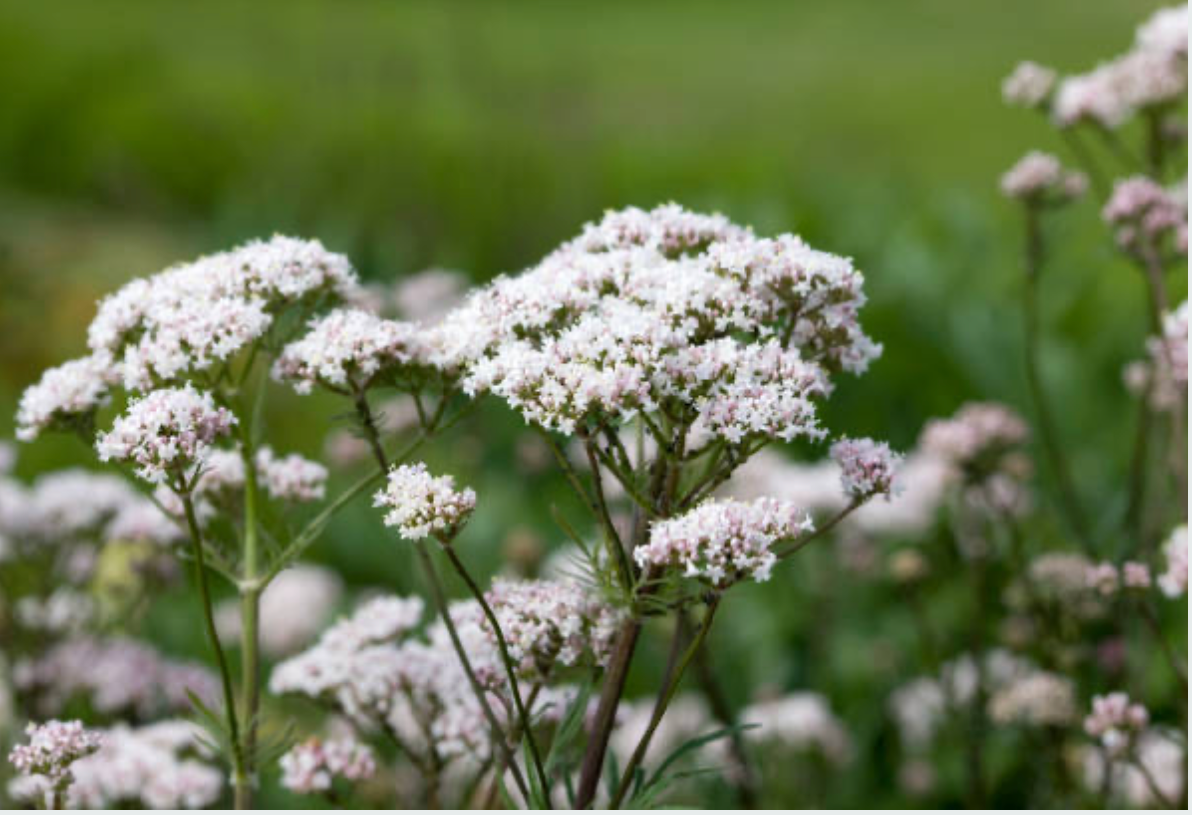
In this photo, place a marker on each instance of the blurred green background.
(478, 135)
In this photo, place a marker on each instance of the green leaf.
(643, 795)
(538, 796)
(570, 730)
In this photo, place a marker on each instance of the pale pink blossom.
(421, 505)
(1040, 177)
(349, 349)
(313, 765)
(1174, 580)
(722, 542)
(867, 467)
(1115, 721)
(166, 434)
(64, 397)
(51, 749)
(1029, 85)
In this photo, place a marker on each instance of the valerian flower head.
(1169, 352)
(421, 505)
(1103, 578)
(1174, 580)
(1115, 721)
(1029, 86)
(349, 349)
(169, 327)
(166, 433)
(669, 307)
(1136, 575)
(291, 477)
(313, 765)
(147, 767)
(1153, 73)
(722, 542)
(545, 622)
(977, 438)
(799, 721)
(52, 748)
(65, 397)
(867, 467)
(1144, 213)
(1040, 178)
(1039, 698)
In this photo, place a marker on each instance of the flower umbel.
(723, 542)
(421, 505)
(166, 434)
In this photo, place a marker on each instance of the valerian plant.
(663, 357)
(671, 347)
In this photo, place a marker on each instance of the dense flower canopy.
(667, 310)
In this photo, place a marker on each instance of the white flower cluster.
(920, 706)
(980, 446)
(1153, 73)
(343, 666)
(549, 622)
(166, 433)
(867, 467)
(294, 608)
(667, 306)
(979, 430)
(52, 748)
(1161, 754)
(313, 765)
(1107, 579)
(291, 477)
(799, 721)
(1115, 721)
(63, 505)
(187, 318)
(114, 676)
(348, 350)
(1162, 378)
(1144, 212)
(1029, 85)
(166, 329)
(372, 668)
(1039, 177)
(722, 542)
(1068, 580)
(1040, 698)
(64, 611)
(66, 396)
(153, 767)
(1174, 580)
(421, 505)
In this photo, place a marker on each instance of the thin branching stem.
(510, 669)
(440, 599)
(669, 687)
(240, 775)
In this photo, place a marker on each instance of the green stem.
(440, 598)
(522, 714)
(250, 595)
(1033, 262)
(240, 776)
(819, 532)
(665, 695)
